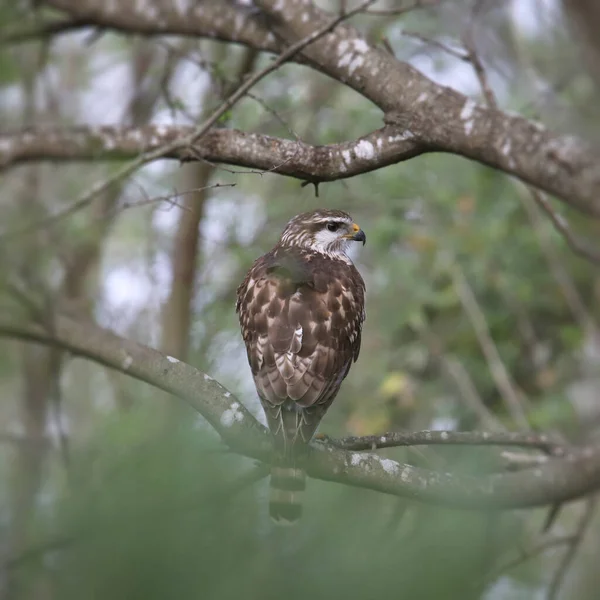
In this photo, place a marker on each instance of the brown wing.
(301, 317)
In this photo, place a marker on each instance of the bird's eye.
(332, 226)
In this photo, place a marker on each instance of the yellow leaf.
(375, 421)
(421, 242)
(466, 204)
(394, 384)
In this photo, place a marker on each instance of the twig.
(498, 370)
(275, 115)
(193, 137)
(456, 370)
(561, 275)
(529, 554)
(473, 58)
(171, 198)
(562, 226)
(577, 538)
(513, 398)
(217, 76)
(394, 12)
(541, 442)
(437, 44)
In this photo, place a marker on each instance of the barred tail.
(287, 486)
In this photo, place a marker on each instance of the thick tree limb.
(225, 21)
(560, 480)
(230, 146)
(434, 116)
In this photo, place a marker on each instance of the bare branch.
(532, 553)
(562, 226)
(461, 55)
(229, 146)
(451, 438)
(475, 60)
(459, 374)
(396, 12)
(560, 480)
(215, 19)
(563, 278)
(513, 398)
(469, 394)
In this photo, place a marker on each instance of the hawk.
(301, 310)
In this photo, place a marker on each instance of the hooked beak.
(358, 235)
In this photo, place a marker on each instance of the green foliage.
(152, 514)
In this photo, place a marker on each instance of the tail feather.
(287, 487)
(291, 433)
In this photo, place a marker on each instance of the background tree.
(150, 151)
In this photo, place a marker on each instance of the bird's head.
(326, 231)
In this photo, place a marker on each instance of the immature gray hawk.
(301, 310)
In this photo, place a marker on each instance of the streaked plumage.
(301, 309)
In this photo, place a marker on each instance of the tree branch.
(201, 130)
(451, 438)
(225, 21)
(513, 398)
(579, 247)
(229, 146)
(560, 480)
(434, 116)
